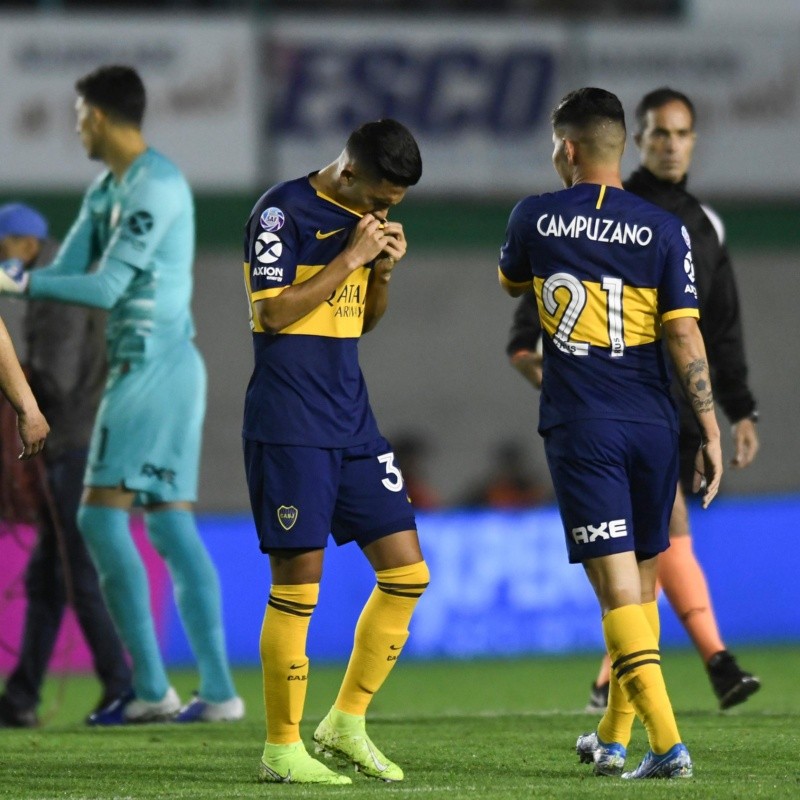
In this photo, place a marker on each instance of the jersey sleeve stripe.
(507, 284)
(680, 312)
(264, 293)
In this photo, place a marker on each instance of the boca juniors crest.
(287, 516)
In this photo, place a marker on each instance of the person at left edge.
(66, 362)
(137, 221)
(319, 254)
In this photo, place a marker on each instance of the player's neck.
(605, 176)
(122, 149)
(325, 182)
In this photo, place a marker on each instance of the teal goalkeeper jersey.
(140, 232)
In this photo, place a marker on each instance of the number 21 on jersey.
(591, 309)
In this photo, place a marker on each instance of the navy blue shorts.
(615, 483)
(299, 495)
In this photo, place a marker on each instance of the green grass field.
(482, 729)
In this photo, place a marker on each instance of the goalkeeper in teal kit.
(137, 224)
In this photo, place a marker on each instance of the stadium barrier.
(501, 586)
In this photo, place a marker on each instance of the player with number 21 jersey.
(607, 269)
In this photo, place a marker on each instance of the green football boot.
(344, 735)
(291, 763)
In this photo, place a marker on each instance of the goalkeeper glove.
(13, 278)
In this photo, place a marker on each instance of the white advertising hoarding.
(743, 82)
(478, 95)
(199, 76)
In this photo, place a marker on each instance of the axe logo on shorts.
(613, 529)
(287, 516)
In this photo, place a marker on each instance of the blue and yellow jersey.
(307, 387)
(146, 222)
(607, 269)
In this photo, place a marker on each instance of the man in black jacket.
(665, 136)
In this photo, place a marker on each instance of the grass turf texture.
(484, 729)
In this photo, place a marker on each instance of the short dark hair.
(656, 99)
(584, 106)
(116, 90)
(387, 150)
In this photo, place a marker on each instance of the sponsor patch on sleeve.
(267, 249)
(272, 219)
(140, 223)
(688, 266)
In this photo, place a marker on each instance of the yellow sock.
(283, 658)
(380, 634)
(617, 722)
(636, 665)
(653, 619)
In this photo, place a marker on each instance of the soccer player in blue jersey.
(319, 254)
(137, 222)
(665, 136)
(612, 275)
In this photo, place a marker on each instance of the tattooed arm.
(688, 353)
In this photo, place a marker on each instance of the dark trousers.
(47, 599)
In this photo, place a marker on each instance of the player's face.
(87, 127)
(368, 196)
(667, 142)
(560, 160)
(25, 248)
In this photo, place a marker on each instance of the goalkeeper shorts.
(148, 430)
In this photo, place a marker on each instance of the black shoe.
(731, 684)
(598, 699)
(11, 717)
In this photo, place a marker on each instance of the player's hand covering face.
(371, 237)
(394, 250)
